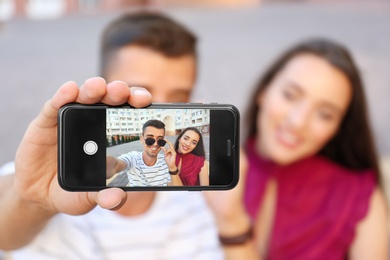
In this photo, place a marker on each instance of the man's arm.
(235, 225)
(31, 196)
(170, 158)
(175, 181)
(231, 217)
(114, 165)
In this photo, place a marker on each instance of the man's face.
(156, 134)
(167, 79)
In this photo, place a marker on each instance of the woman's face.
(188, 142)
(301, 109)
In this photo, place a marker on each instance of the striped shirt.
(178, 225)
(142, 175)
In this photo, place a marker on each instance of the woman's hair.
(199, 148)
(353, 145)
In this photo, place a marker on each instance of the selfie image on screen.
(157, 147)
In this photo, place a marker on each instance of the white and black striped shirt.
(142, 175)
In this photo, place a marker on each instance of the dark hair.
(199, 148)
(153, 123)
(151, 30)
(353, 145)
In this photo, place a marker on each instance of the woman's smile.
(287, 138)
(184, 148)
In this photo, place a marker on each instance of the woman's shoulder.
(355, 184)
(325, 165)
(353, 188)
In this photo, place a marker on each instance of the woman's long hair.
(199, 148)
(353, 145)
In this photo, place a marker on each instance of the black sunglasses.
(151, 141)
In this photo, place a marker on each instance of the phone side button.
(228, 147)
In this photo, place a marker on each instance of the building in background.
(127, 123)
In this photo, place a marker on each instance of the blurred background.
(44, 43)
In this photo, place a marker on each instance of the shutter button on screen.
(90, 147)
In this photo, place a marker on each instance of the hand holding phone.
(35, 179)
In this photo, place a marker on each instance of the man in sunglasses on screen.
(148, 167)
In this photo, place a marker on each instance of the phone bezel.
(230, 126)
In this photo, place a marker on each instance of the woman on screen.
(190, 158)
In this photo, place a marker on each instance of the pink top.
(319, 204)
(191, 165)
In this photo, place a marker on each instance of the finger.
(164, 150)
(92, 91)
(112, 198)
(67, 93)
(139, 97)
(117, 93)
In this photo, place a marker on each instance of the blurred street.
(236, 45)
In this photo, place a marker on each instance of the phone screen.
(173, 146)
(137, 136)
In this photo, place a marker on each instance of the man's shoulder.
(132, 154)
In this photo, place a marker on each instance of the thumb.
(67, 93)
(112, 198)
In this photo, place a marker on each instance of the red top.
(191, 165)
(318, 205)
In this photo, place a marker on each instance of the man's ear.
(142, 139)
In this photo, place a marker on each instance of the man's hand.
(36, 159)
(170, 156)
(31, 196)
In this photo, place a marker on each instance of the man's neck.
(149, 161)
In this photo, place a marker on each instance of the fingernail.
(139, 91)
(116, 205)
(116, 82)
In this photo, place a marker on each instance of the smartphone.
(173, 146)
